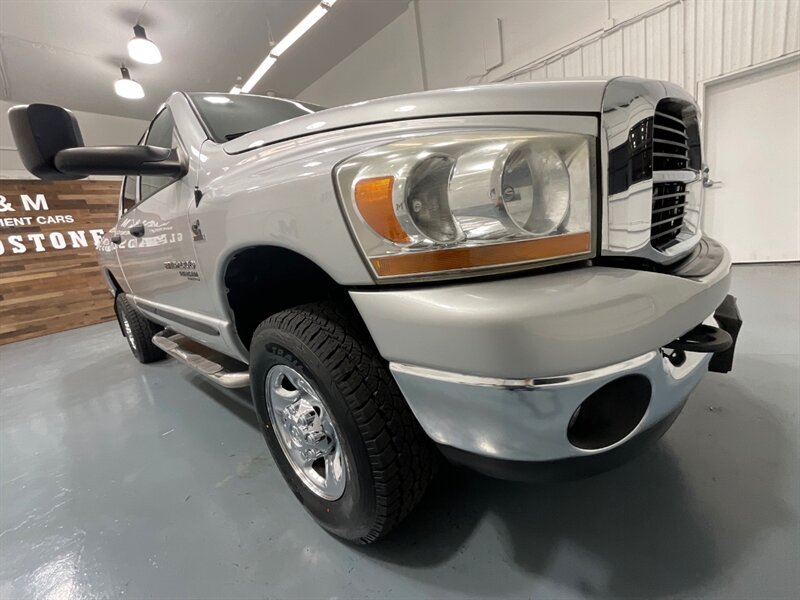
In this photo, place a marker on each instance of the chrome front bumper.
(527, 419)
(497, 369)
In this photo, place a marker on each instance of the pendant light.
(127, 87)
(141, 49)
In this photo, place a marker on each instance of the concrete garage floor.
(123, 480)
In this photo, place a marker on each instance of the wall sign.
(38, 241)
(49, 279)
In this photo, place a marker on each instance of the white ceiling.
(69, 52)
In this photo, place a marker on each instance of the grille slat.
(667, 232)
(670, 153)
(672, 130)
(681, 206)
(667, 220)
(679, 120)
(676, 144)
(672, 195)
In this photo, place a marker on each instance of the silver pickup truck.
(512, 276)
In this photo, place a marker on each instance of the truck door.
(157, 249)
(108, 251)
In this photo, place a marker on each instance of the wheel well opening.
(263, 280)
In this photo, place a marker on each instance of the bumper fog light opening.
(610, 413)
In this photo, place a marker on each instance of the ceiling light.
(237, 89)
(290, 38)
(127, 87)
(217, 99)
(265, 66)
(141, 49)
(311, 18)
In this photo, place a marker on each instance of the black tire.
(389, 459)
(138, 330)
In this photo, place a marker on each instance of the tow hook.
(719, 341)
(703, 338)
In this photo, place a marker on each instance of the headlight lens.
(470, 200)
(426, 198)
(535, 189)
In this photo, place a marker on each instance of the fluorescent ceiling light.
(265, 66)
(141, 49)
(237, 89)
(127, 87)
(217, 99)
(290, 38)
(311, 18)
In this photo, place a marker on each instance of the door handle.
(137, 230)
(116, 239)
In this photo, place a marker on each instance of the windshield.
(227, 116)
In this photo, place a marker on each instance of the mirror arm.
(118, 160)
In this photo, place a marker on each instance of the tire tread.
(402, 457)
(143, 331)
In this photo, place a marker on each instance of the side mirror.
(75, 163)
(51, 147)
(41, 131)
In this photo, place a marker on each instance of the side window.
(128, 198)
(162, 134)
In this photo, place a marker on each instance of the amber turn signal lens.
(483, 256)
(374, 201)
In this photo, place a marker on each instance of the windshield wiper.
(233, 136)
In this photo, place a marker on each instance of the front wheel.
(336, 423)
(138, 330)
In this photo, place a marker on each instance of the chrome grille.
(653, 191)
(670, 153)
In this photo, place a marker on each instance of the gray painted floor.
(123, 480)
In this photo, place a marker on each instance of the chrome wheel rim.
(306, 432)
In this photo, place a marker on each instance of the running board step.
(209, 363)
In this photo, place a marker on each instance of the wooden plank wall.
(52, 289)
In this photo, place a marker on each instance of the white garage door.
(752, 145)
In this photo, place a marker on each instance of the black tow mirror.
(118, 160)
(41, 131)
(51, 147)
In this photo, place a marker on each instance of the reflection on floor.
(143, 481)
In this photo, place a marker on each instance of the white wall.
(756, 216)
(453, 35)
(454, 32)
(685, 41)
(384, 65)
(97, 130)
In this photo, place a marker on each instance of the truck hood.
(578, 96)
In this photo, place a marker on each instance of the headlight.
(470, 200)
